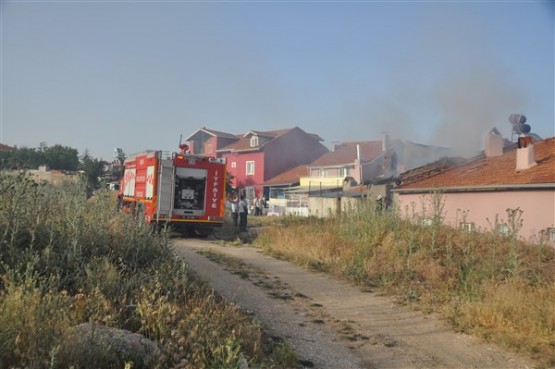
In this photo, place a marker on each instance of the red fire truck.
(186, 191)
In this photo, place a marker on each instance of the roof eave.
(290, 184)
(330, 166)
(223, 151)
(485, 188)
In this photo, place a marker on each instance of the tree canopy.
(55, 157)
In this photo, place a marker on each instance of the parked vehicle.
(185, 191)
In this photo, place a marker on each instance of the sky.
(96, 75)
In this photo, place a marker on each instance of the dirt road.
(331, 324)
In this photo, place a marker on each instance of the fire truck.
(185, 191)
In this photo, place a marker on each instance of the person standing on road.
(235, 211)
(243, 212)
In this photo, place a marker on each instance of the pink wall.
(240, 171)
(210, 146)
(538, 208)
(294, 148)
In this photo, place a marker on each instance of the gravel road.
(331, 324)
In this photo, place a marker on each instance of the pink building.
(479, 194)
(258, 156)
(208, 141)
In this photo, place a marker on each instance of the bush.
(67, 260)
(487, 284)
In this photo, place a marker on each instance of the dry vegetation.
(65, 260)
(486, 284)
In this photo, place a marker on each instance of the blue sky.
(103, 74)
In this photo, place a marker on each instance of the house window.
(249, 192)
(250, 168)
(277, 193)
(323, 173)
(234, 164)
(467, 227)
(343, 172)
(254, 141)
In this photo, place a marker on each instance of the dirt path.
(331, 324)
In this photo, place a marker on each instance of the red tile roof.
(346, 153)
(217, 133)
(6, 148)
(244, 142)
(272, 134)
(291, 176)
(500, 170)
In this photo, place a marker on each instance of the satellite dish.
(517, 119)
(525, 128)
(521, 128)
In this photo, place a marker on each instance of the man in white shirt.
(235, 211)
(243, 212)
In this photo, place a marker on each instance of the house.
(370, 166)
(258, 156)
(282, 200)
(507, 190)
(7, 148)
(364, 161)
(208, 141)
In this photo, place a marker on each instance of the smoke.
(473, 91)
(470, 104)
(447, 87)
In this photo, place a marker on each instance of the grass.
(486, 284)
(66, 260)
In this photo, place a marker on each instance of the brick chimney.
(494, 144)
(525, 153)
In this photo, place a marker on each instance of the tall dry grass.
(66, 259)
(487, 284)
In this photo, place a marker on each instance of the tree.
(62, 157)
(93, 168)
(24, 158)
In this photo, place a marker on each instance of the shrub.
(66, 260)
(488, 284)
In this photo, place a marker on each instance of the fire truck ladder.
(165, 189)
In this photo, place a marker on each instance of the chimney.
(494, 143)
(385, 141)
(525, 153)
(358, 153)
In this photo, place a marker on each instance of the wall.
(477, 207)
(314, 183)
(372, 169)
(209, 146)
(323, 207)
(289, 150)
(239, 172)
